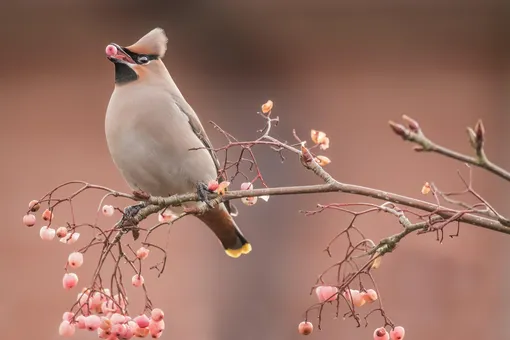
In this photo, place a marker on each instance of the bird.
(156, 139)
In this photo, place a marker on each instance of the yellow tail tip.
(235, 253)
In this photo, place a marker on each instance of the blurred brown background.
(345, 67)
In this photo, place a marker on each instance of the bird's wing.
(199, 131)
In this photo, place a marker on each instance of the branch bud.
(480, 133)
(413, 125)
(399, 129)
(472, 138)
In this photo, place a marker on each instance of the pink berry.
(102, 334)
(92, 322)
(356, 296)
(70, 238)
(156, 328)
(157, 314)
(142, 321)
(142, 253)
(111, 50)
(66, 329)
(34, 205)
(130, 330)
(326, 293)
(70, 280)
(212, 185)
(47, 215)
(141, 332)
(166, 216)
(381, 334)
(137, 280)
(29, 220)
(61, 232)
(370, 295)
(80, 322)
(247, 186)
(75, 260)
(117, 318)
(118, 329)
(96, 300)
(68, 316)
(47, 234)
(249, 200)
(305, 328)
(105, 323)
(108, 210)
(397, 333)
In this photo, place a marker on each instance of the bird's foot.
(128, 221)
(203, 193)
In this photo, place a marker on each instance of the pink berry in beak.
(110, 50)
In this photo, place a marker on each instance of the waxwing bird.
(151, 129)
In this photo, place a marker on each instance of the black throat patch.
(124, 74)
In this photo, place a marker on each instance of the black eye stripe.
(137, 56)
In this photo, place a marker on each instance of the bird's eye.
(143, 60)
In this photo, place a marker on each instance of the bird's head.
(139, 60)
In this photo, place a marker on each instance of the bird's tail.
(224, 227)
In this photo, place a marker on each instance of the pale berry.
(75, 260)
(102, 334)
(156, 328)
(70, 280)
(381, 334)
(166, 216)
(47, 234)
(68, 316)
(249, 201)
(141, 332)
(47, 215)
(130, 330)
(117, 318)
(326, 293)
(96, 300)
(80, 322)
(370, 295)
(66, 329)
(92, 322)
(108, 210)
(34, 205)
(29, 220)
(61, 232)
(142, 253)
(305, 328)
(70, 238)
(397, 333)
(142, 321)
(108, 307)
(118, 329)
(246, 186)
(137, 280)
(105, 323)
(157, 314)
(356, 296)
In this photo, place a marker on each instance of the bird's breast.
(149, 139)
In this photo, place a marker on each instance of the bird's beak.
(117, 54)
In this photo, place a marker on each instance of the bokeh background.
(345, 67)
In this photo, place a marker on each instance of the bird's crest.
(153, 43)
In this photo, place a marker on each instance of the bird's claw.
(203, 193)
(127, 219)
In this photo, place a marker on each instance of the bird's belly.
(151, 150)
